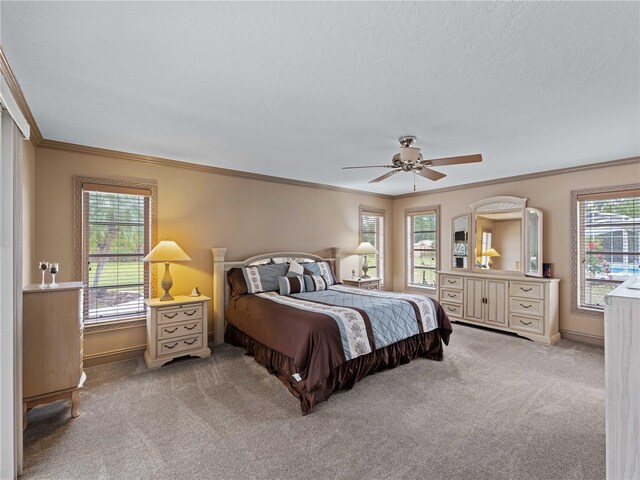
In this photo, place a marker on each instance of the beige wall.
(200, 210)
(29, 267)
(551, 194)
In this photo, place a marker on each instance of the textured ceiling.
(299, 90)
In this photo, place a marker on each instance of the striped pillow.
(315, 283)
(291, 285)
(321, 268)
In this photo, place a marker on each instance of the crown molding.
(18, 95)
(527, 176)
(72, 147)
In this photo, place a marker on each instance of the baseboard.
(113, 356)
(583, 337)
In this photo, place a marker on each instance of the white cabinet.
(524, 305)
(622, 380)
(176, 328)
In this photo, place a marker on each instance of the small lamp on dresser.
(364, 249)
(167, 251)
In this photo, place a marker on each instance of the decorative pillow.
(295, 269)
(323, 269)
(261, 278)
(314, 283)
(290, 285)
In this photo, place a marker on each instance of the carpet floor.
(497, 407)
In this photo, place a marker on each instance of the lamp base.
(166, 284)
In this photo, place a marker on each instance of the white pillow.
(295, 269)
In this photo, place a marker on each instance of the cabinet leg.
(75, 401)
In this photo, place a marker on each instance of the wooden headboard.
(221, 285)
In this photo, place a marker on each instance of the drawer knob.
(171, 316)
(525, 323)
(190, 313)
(451, 281)
(526, 306)
(172, 346)
(451, 295)
(186, 342)
(451, 309)
(170, 331)
(191, 327)
(526, 289)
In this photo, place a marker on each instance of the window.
(372, 231)
(422, 254)
(116, 227)
(607, 244)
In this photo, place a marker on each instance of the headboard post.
(335, 253)
(218, 294)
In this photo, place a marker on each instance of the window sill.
(592, 312)
(121, 324)
(415, 289)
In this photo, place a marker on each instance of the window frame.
(380, 258)
(431, 209)
(118, 186)
(576, 236)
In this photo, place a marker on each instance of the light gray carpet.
(497, 407)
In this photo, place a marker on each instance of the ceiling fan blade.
(430, 174)
(382, 177)
(370, 166)
(438, 162)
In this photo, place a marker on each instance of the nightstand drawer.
(451, 296)
(170, 347)
(451, 281)
(453, 310)
(179, 329)
(531, 324)
(370, 286)
(527, 290)
(179, 314)
(526, 306)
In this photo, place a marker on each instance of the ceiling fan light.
(409, 154)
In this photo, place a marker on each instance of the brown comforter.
(289, 341)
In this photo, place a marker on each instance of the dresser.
(52, 345)
(366, 283)
(527, 306)
(622, 380)
(176, 328)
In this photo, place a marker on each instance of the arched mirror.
(460, 242)
(506, 236)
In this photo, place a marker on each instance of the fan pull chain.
(414, 180)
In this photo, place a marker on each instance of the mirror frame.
(453, 242)
(500, 204)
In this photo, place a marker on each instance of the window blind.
(422, 248)
(116, 233)
(372, 230)
(608, 243)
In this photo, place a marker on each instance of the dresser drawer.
(170, 347)
(526, 290)
(452, 309)
(175, 330)
(451, 281)
(526, 306)
(179, 314)
(530, 324)
(451, 296)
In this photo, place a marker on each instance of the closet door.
(474, 299)
(497, 301)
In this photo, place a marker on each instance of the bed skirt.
(345, 376)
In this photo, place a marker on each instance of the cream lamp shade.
(365, 248)
(166, 251)
(490, 252)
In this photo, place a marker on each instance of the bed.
(315, 334)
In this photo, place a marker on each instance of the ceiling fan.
(410, 160)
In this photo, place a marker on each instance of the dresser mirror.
(506, 236)
(460, 242)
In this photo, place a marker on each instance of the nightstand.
(366, 283)
(176, 328)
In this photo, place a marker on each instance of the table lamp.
(166, 251)
(491, 252)
(363, 249)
